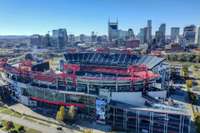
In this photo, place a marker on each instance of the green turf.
(15, 114)
(30, 130)
(30, 119)
(43, 124)
(7, 111)
(2, 108)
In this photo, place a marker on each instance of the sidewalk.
(52, 122)
(34, 125)
(27, 111)
(2, 131)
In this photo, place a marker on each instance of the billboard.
(101, 110)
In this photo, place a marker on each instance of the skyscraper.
(71, 38)
(82, 38)
(141, 35)
(60, 38)
(189, 34)
(131, 34)
(162, 32)
(36, 40)
(112, 31)
(175, 31)
(157, 36)
(197, 37)
(149, 31)
(46, 40)
(93, 37)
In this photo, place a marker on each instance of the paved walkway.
(2, 131)
(37, 126)
(25, 110)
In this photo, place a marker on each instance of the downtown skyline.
(26, 18)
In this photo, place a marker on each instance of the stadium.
(123, 90)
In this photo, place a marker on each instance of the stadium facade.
(126, 91)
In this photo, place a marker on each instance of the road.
(37, 126)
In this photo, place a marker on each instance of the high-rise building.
(60, 38)
(157, 36)
(71, 38)
(189, 35)
(112, 31)
(149, 31)
(162, 34)
(197, 37)
(141, 35)
(82, 38)
(131, 34)
(47, 40)
(93, 37)
(145, 34)
(175, 31)
(122, 35)
(36, 40)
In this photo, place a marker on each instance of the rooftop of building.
(178, 109)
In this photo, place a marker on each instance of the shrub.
(9, 125)
(87, 131)
(21, 129)
(197, 123)
(13, 131)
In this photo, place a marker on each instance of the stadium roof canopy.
(112, 59)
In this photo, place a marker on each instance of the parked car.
(1, 125)
(59, 128)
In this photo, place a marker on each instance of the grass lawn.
(16, 114)
(2, 108)
(4, 125)
(184, 63)
(9, 112)
(30, 119)
(6, 111)
(43, 124)
(30, 130)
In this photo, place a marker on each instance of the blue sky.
(26, 17)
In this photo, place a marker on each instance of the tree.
(185, 71)
(189, 83)
(192, 97)
(71, 112)
(21, 129)
(9, 125)
(60, 114)
(197, 122)
(87, 131)
(13, 131)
